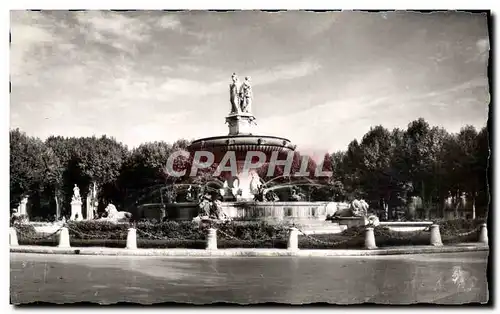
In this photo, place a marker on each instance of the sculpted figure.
(255, 183)
(116, 216)
(246, 96)
(76, 193)
(205, 205)
(217, 210)
(234, 94)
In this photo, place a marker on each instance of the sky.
(319, 79)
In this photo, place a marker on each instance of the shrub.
(25, 230)
(183, 230)
(456, 226)
(92, 229)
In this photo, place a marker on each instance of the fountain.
(242, 190)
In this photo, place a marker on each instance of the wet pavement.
(401, 279)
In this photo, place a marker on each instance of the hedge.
(244, 230)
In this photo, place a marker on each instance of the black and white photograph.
(244, 157)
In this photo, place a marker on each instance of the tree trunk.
(58, 207)
(474, 205)
(423, 200)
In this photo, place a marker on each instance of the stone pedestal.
(240, 123)
(76, 210)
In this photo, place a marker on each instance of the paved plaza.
(402, 279)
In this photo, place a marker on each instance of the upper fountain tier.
(241, 123)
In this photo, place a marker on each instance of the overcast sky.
(319, 79)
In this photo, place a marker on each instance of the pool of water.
(403, 279)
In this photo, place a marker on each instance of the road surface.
(401, 279)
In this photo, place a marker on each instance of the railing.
(293, 244)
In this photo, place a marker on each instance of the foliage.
(244, 230)
(386, 168)
(33, 166)
(25, 230)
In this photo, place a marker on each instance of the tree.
(351, 165)
(144, 176)
(98, 161)
(422, 148)
(34, 167)
(481, 167)
(467, 163)
(375, 166)
(62, 187)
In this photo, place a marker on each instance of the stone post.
(131, 239)
(293, 239)
(212, 239)
(483, 234)
(435, 236)
(13, 237)
(64, 238)
(370, 243)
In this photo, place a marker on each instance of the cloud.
(285, 72)
(142, 76)
(483, 45)
(27, 35)
(476, 82)
(169, 21)
(103, 24)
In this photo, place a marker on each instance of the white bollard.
(436, 236)
(132, 239)
(13, 237)
(370, 243)
(212, 239)
(293, 239)
(483, 234)
(64, 238)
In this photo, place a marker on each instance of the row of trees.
(389, 167)
(386, 168)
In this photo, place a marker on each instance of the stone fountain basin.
(298, 212)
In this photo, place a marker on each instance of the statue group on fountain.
(211, 208)
(357, 208)
(240, 95)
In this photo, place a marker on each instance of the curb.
(246, 252)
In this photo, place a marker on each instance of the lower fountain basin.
(271, 212)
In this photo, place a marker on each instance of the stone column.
(483, 234)
(293, 239)
(370, 243)
(76, 210)
(435, 236)
(13, 237)
(212, 239)
(64, 238)
(131, 239)
(90, 209)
